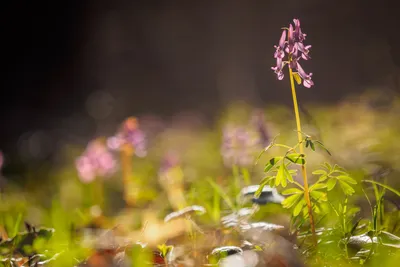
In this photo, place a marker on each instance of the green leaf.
(316, 209)
(353, 211)
(263, 183)
(280, 175)
(17, 224)
(271, 163)
(312, 145)
(318, 195)
(296, 158)
(319, 172)
(347, 189)
(323, 147)
(292, 191)
(328, 166)
(384, 186)
(288, 175)
(284, 180)
(222, 193)
(283, 176)
(272, 182)
(322, 178)
(331, 184)
(297, 77)
(317, 186)
(305, 211)
(346, 179)
(299, 207)
(290, 201)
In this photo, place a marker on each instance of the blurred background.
(197, 76)
(75, 69)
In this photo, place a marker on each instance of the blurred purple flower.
(295, 49)
(239, 146)
(129, 134)
(258, 122)
(169, 161)
(95, 161)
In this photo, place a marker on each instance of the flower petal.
(282, 41)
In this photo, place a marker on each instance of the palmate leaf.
(319, 172)
(263, 183)
(271, 163)
(318, 196)
(292, 200)
(283, 176)
(317, 186)
(300, 205)
(331, 184)
(296, 158)
(346, 179)
(347, 189)
(280, 176)
(289, 174)
(328, 166)
(291, 191)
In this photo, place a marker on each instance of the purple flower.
(295, 49)
(129, 135)
(304, 50)
(298, 35)
(238, 146)
(291, 42)
(279, 53)
(278, 68)
(96, 161)
(307, 82)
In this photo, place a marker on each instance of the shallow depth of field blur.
(361, 134)
(175, 183)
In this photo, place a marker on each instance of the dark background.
(74, 69)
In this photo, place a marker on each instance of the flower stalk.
(301, 148)
(129, 141)
(126, 169)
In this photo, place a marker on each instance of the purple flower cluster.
(130, 135)
(295, 49)
(238, 146)
(96, 161)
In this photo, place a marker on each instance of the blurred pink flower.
(239, 146)
(129, 134)
(95, 161)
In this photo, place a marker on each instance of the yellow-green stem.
(301, 148)
(126, 169)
